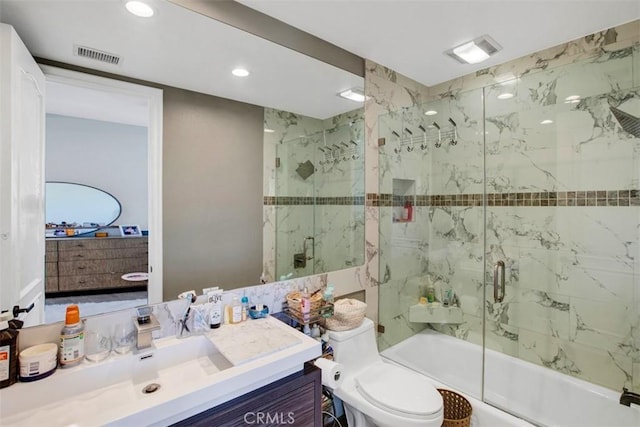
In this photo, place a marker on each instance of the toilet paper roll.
(331, 372)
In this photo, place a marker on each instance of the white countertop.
(195, 374)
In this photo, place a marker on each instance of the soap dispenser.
(8, 352)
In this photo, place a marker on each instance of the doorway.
(106, 134)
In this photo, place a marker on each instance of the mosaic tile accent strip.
(378, 200)
(551, 198)
(308, 200)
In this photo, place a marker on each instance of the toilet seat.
(399, 391)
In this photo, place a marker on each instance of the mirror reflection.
(78, 208)
(225, 222)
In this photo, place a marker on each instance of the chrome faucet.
(145, 323)
(628, 397)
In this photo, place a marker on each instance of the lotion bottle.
(236, 310)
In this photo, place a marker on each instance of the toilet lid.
(399, 389)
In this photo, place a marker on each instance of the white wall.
(105, 155)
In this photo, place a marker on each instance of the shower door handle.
(498, 281)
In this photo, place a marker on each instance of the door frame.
(154, 97)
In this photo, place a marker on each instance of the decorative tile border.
(551, 198)
(308, 200)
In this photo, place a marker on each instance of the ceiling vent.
(95, 54)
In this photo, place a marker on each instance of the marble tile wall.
(573, 257)
(327, 205)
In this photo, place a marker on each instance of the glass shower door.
(561, 258)
(295, 214)
(320, 201)
(432, 160)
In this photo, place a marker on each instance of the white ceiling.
(411, 36)
(183, 49)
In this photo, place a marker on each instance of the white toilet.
(376, 393)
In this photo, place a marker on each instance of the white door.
(22, 115)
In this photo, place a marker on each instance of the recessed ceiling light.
(353, 94)
(266, 130)
(139, 8)
(240, 72)
(546, 122)
(505, 95)
(475, 51)
(430, 113)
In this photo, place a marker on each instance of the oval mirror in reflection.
(77, 207)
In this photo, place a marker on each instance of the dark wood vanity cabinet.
(78, 264)
(295, 400)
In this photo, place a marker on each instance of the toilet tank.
(355, 348)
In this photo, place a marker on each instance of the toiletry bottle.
(305, 305)
(408, 210)
(245, 307)
(236, 310)
(327, 296)
(13, 322)
(431, 293)
(71, 339)
(8, 352)
(315, 331)
(215, 314)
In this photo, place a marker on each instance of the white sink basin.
(192, 374)
(172, 364)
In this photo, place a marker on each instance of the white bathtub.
(537, 394)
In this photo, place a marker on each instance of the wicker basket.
(347, 314)
(294, 301)
(457, 409)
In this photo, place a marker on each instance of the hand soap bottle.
(8, 353)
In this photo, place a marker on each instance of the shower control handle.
(498, 281)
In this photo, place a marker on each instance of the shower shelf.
(426, 313)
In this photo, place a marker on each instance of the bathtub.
(537, 394)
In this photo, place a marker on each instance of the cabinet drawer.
(94, 281)
(51, 256)
(111, 266)
(51, 284)
(51, 245)
(50, 269)
(102, 243)
(294, 400)
(83, 254)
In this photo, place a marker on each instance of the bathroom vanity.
(89, 263)
(207, 379)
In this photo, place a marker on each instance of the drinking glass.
(97, 345)
(124, 338)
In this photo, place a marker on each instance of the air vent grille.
(97, 55)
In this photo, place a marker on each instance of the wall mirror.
(313, 139)
(77, 207)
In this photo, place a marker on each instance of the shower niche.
(404, 200)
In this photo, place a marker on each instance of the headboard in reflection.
(77, 207)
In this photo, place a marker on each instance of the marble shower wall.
(388, 94)
(562, 208)
(328, 205)
(570, 239)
